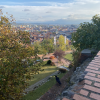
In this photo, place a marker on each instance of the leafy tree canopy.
(87, 35)
(47, 44)
(62, 44)
(15, 53)
(38, 48)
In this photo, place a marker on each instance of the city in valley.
(41, 32)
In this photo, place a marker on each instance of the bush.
(52, 57)
(76, 57)
(52, 64)
(71, 65)
(62, 70)
(93, 53)
(60, 54)
(44, 63)
(49, 62)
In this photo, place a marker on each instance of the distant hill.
(60, 22)
(68, 22)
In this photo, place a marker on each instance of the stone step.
(93, 71)
(65, 99)
(91, 88)
(78, 97)
(93, 68)
(92, 78)
(91, 74)
(84, 92)
(95, 96)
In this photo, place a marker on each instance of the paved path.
(90, 87)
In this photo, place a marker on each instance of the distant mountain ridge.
(66, 21)
(60, 22)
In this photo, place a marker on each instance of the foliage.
(67, 43)
(87, 35)
(47, 44)
(49, 62)
(38, 48)
(62, 44)
(23, 37)
(59, 54)
(69, 47)
(52, 57)
(44, 63)
(76, 56)
(52, 64)
(62, 70)
(72, 47)
(15, 51)
(5, 22)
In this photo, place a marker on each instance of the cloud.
(26, 10)
(2, 6)
(78, 17)
(48, 12)
(76, 10)
(88, 1)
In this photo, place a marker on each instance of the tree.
(5, 21)
(59, 53)
(62, 44)
(68, 47)
(87, 35)
(23, 37)
(47, 44)
(38, 48)
(15, 52)
(67, 43)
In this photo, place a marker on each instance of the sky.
(40, 11)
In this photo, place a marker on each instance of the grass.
(42, 89)
(42, 74)
(69, 56)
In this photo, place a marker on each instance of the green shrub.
(93, 53)
(48, 62)
(76, 56)
(44, 63)
(62, 70)
(71, 65)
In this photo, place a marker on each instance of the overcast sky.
(50, 10)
